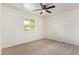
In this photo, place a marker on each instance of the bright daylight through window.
(29, 24)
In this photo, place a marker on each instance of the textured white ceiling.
(60, 7)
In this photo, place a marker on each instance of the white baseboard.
(64, 40)
(17, 43)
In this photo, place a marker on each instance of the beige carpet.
(42, 47)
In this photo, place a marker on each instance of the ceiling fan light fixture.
(43, 10)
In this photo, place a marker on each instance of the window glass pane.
(29, 25)
(33, 24)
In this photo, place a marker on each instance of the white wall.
(13, 32)
(0, 28)
(64, 27)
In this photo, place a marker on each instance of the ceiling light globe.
(43, 10)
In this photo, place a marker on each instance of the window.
(29, 24)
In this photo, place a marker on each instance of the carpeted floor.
(42, 47)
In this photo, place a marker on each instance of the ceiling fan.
(44, 8)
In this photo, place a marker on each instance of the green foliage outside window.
(29, 24)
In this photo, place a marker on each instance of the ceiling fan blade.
(41, 4)
(37, 10)
(41, 12)
(48, 11)
(51, 7)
